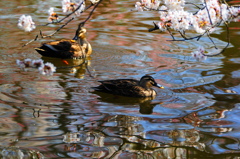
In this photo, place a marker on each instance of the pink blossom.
(67, 6)
(26, 23)
(47, 69)
(37, 63)
(25, 63)
(147, 5)
(52, 15)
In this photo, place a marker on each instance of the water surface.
(60, 116)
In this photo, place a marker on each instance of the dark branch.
(193, 4)
(208, 13)
(68, 15)
(211, 40)
(155, 27)
(89, 16)
(35, 39)
(228, 39)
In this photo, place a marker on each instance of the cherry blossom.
(147, 5)
(37, 63)
(24, 64)
(52, 15)
(44, 69)
(174, 16)
(68, 5)
(47, 69)
(26, 23)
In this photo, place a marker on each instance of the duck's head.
(148, 81)
(80, 33)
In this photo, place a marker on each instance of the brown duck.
(130, 87)
(79, 47)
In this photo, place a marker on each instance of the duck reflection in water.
(77, 67)
(146, 104)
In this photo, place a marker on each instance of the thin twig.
(58, 28)
(90, 14)
(199, 10)
(35, 39)
(193, 4)
(63, 24)
(208, 13)
(68, 15)
(211, 40)
(89, 72)
(155, 27)
(155, 9)
(228, 39)
(42, 36)
(170, 33)
(185, 38)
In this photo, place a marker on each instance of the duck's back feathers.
(61, 49)
(125, 87)
(66, 48)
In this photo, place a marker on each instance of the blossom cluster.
(26, 23)
(173, 15)
(52, 15)
(147, 5)
(68, 5)
(44, 69)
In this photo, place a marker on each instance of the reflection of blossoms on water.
(199, 54)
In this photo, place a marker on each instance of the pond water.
(59, 116)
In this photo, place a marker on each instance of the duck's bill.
(159, 86)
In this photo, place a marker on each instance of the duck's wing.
(59, 49)
(126, 87)
(58, 46)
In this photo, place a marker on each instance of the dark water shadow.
(146, 104)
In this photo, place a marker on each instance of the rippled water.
(59, 116)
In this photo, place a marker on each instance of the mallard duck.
(130, 87)
(78, 47)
